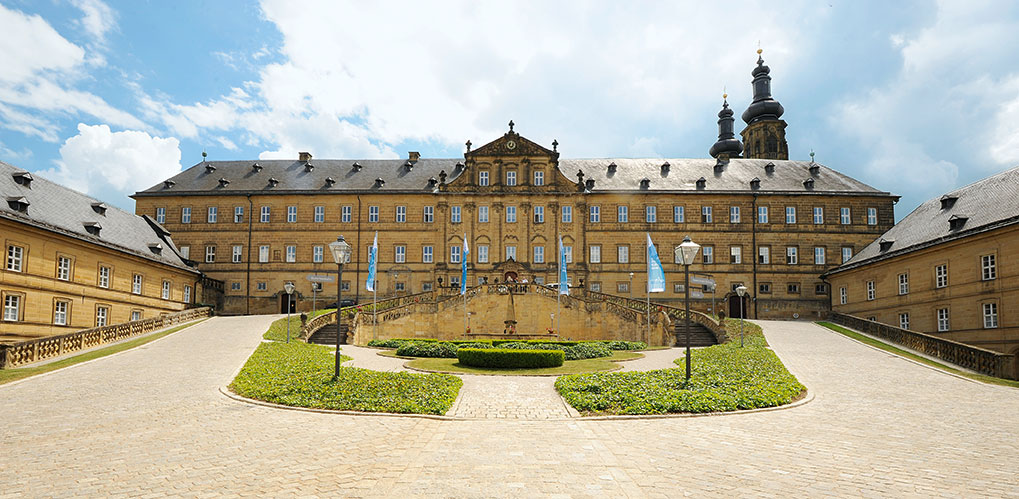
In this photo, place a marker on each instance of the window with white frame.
(320, 214)
(454, 214)
(454, 253)
(871, 216)
(136, 315)
(842, 295)
(990, 315)
(12, 307)
(567, 212)
(63, 268)
(291, 254)
(764, 255)
(595, 214)
(678, 214)
(622, 214)
(734, 214)
(792, 256)
(429, 214)
(707, 254)
(903, 284)
(595, 254)
(15, 258)
(101, 315)
(482, 253)
(818, 215)
(539, 254)
(291, 214)
(623, 253)
(706, 214)
(187, 293)
(762, 214)
(870, 290)
(263, 253)
(819, 258)
(622, 287)
(373, 213)
(136, 284)
(400, 254)
(735, 254)
(596, 287)
(539, 177)
(161, 215)
(426, 286)
(185, 251)
(212, 215)
(650, 214)
(210, 254)
(346, 214)
(482, 214)
(790, 214)
(238, 214)
(904, 320)
(511, 252)
(511, 214)
(185, 215)
(166, 290)
(104, 276)
(847, 254)
(60, 312)
(844, 216)
(235, 286)
(988, 268)
(263, 216)
(426, 254)
(941, 276)
(317, 254)
(511, 177)
(568, 253)
(483, 178)
(263, 286)
(943, 320)
(539, 214)
(237, 254)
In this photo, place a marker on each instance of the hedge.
(435, 349)
(610, 344)
(578, 351)
(509, 358)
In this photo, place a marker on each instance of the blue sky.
(912, 97)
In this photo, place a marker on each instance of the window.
(792, 288)
(539, 177)
(136, 284)
(818, 215)
(990, 315)
(650, 214)
(941, 276)
(942, 319)
(482, 253)
(596, 287)
(185, 215)
(762, 214)
(235, 286)
(844, 216)
(345, 286)
(678, 288)
(847, 254)
(539, 214)
(622, 287)
(871, 216)
(345, 213)
(261, 286)
(161, 215)
(426, 286)
(678, 214)
(736, 254)
(238, 214)
(60, 313)
(426, 254)
(568, 253)
(213, 214)
(482, 214)
(401, 286)
(400, 255)
(15, 256)
(104, 276)
(136, 315)
(210, 254)
(903, 284)
(708, 254)
(595, 212)
(734, 214)
(818, 255)
(623, 253)
(790, 214)
(511, 214)
(317, 254)
(904, 321)
(511, 178)
(870, 290)
(237, 254)
(185, 251)
(511, 252)
(595, 254)
(622, 214)
(101, 314)
(820, 288)
(705, 214)
(264, 215)
(454, 214)
(166, 290)
(987, 266)
(792, 256)
(291, 214)
(320, 214)
(764, 254)
(263, 253)
(291, 254)
(12, 307)
(764, 288)
(187, 294)
(539, 254)
(567, 214)
(454, 254)
(483, 178)
(63, 268)
(842, 296)
(429, 214)
(373, 213)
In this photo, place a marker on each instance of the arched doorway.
(510, 276)
(734, 306)
(284, 301)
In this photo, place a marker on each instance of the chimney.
(304, 156)
(413, 156)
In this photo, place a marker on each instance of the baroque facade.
(764, 221)
(71, 262)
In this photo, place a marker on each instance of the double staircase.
(700, 335)
(327, 335)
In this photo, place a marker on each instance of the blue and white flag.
(463, 274)
(655, 273)
(372, 259)
(564, 287)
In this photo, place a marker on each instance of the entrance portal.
(284, 300)
(734, 306)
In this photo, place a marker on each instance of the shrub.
(433, 349)
(510, 358)
(574, 351)
(626, 345)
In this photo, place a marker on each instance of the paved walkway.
(150, 422)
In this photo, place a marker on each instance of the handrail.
(366, 309)
(35, 350)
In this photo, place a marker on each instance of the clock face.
(511, 145)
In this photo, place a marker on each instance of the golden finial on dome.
(759, 51)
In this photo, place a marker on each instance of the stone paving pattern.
(150, 422)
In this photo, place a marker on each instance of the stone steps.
(700, 335)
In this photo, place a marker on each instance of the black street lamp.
(741, 290)
(341, 255)
(686, 253)
(289, 289)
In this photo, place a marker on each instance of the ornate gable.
(533, 168)
(512, 144)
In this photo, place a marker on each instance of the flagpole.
(559, 292)
(647, 256)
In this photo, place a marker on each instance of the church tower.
(727, 146)
(764, 136)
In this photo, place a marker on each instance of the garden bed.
(452, 366)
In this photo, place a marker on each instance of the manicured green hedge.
(576, 351)
(300, 374)
(509, 358)
(435, 349)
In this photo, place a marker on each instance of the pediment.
(513, 144)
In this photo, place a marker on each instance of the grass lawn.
(568, 367)
(724, 378)
(910, 355)
(278, 330)
(9, 375)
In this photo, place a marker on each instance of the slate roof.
(65, 211)
(987, 204)
(294, 177)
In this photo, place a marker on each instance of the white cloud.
(31, 46)
(99, 18)
(111, 165)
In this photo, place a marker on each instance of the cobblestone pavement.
(150, 422)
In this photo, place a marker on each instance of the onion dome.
(764, 107)
(727, 143)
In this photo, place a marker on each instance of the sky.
(912, 97)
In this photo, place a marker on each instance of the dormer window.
(719, 165)
(432, 181)
(612, 167)
(356, 166)
(23, 178)
(459, 166)
(410, 166)
(309, 167)
(156, 248)
(886, 244)
(948, 201)
(99, 208)
(814, 168)
(256, 167)
(665, 168)
(755, 183)
(273, 182)
(330, 181)
(808, 183)
(209, 168)
(957, 221)
(168, 184)
(223, 182)
(379, 182)
(93, 228)
(589, 184)
(645, 184)
(701, 183)
(19, 204)
(769, 168)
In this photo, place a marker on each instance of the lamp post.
(631, 285)
(341, 255)
(741, 290)
(289, 288)
(685, 253)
